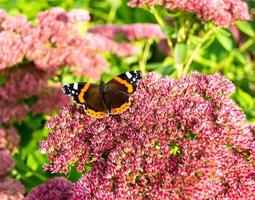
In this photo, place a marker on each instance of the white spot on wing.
(75, 86)
(128, 75)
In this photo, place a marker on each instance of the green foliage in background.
(193, 46)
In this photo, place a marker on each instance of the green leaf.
(2, 79)
(225, 41)
(244, 98)
(174, 150)
(31, 162)
(180, 53)
(246, 28)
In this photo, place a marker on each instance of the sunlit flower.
(11, 49)
(56, 188)
(179, 139)
(221, 12)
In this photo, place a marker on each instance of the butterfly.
(101, 100)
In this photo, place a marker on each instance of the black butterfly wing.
(76, 91)
(89, 96)
(118, 91)
(118, 101)
(126, 82)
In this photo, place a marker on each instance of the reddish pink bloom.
(136, 31)
(11, 189)
(221, 12)
(55, 42)
(51, 40)
(51, 99)
(11, 49)
(103, 43)
(179, 139)
(17, 24)
(56, 189)
(9, 138)
(24, 83)
(10, 112)
(6, 163)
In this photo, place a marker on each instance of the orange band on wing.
(82, 92)
(121, 109)
(123, 82)
(95, 114)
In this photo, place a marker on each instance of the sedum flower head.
(11, 189)
(23, 84)
(6, 163)
(221, 12)
(135, 31)
(180, 139)
(55, 189)
(56, 41)
(9, 138)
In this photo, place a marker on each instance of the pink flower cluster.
(136, 31)
(9, 188)
(27, 82)
(129, 32)
(180, 139)
(221, 12)
(55, 41)
(56, 189)
(9, 138)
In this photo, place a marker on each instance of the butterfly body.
(101, 100)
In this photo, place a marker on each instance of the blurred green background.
(204, 48)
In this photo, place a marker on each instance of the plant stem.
(204, 38)
(247, 44)
(111, 15)
(145, 55)
(162, 24)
